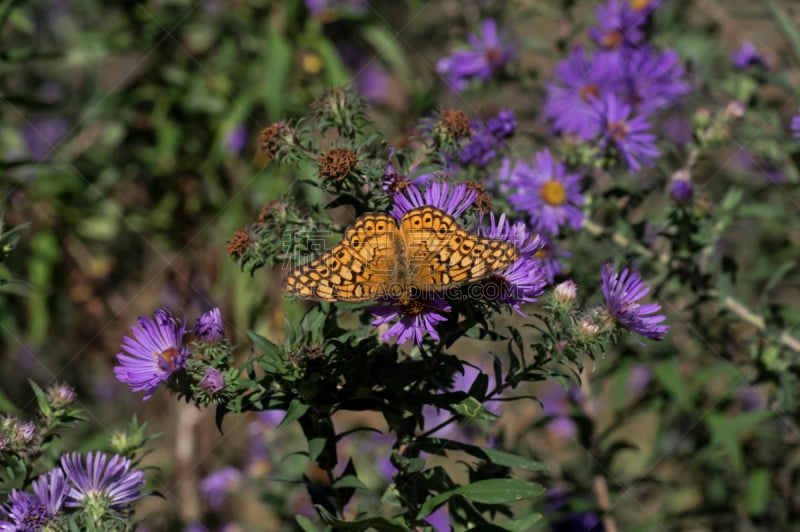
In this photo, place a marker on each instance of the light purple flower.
(101, 479)
(654, 80)
(33, 512)
(795, 126)
(619, 27)
(681, 191)
(209, 328)
(622, 293)
(628, 135)
(580, 78)
(488, 139)
(213, 381)
(42, 135)
(550, 195)
(218, 485)
(154, 352)
(236, 139)
(525, 279)
(488, 53)
(452, 199)
(639, 377)
(748, 56)
(413, 320)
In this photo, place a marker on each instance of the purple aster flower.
(209, 328)
(681, 191)
(748, 56)
(622, 293)
(627, 134)
(33, 512)
(523, 281)
(580, 79)
(547, 193)
(489, 52)
(235, 140)
(795, 126)
(488, 139)
(654, 80)
(370, 78)
(440, 519)
(100, 481)
(42, 136)
(414, 319)
(619, 27)
(452, 199)
(154, 352)
(548, 257)
(555, 402)
(218, 485)
(212, 382)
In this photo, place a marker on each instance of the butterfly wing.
(440, 254)
(359, 268)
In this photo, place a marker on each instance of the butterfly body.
(376, 258)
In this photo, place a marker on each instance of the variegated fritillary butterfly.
(428, 252)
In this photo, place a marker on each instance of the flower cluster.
(488, 139)
(609, 93)
(100, 485)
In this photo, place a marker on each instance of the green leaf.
(502, 458)
(41, 398)
(294, 412)
(492, 491)
(471, 407)
(315, 448)
(668, 375)
(522, 524)
(726, 432)
(349, 481)
(379, 524)
(268, 348)
(306, 524)
(758, 491)
(387, 47)
(279, 63)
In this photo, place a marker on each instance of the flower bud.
(213, 381)
(209, 328)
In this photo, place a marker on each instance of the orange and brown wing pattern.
(357, 269)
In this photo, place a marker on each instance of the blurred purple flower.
(748, 56)
(153, 354)
(622, 293)
(33, 512)
(654, 80)
(452, 199)
(619, 27)
(42, 136)
(639, 377)
(212, 382)
(415, 319)
(580, 78)
(628, 134)
(324, 8)
(564, 520)
(795, 126)
(218, 485)
(556, 405)
(681, 191)
(548, 257)
(101, 480)
(370, 77)
(209, 328)
(523, 281)
(236, 139)
(547, 193)
(489, 52)
(488, 139)
(440, 519)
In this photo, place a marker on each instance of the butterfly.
(376, 258)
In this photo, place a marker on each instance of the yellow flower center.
(413, 308)
(493, 56)
(639, 5)
(311, 63)
(618, 130)
(553, 193)
(543, 253)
